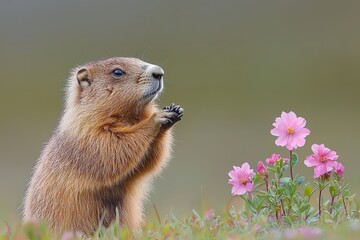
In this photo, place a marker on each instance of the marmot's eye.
(118, 72)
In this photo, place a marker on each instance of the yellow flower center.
(290, 130)
(322, 158)
(243, 180)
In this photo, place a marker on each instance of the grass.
(199, 226)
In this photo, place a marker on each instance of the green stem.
(283, 207)
(320, 202)
(291, 171)
(267, 185)
(332, 204)
(343, 200)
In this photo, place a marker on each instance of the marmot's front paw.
(171, 115)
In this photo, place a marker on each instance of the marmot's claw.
(174, 108)
(178, 113)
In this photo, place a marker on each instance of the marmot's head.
(114, 86)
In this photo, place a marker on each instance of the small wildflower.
(290, 130)
(68, 236)
(339, 169)
(325, 176)
(209, 214)
(241, 179)
(261, 170)
(323, 160)
(275, 158)
(305, 232)
(309, 232)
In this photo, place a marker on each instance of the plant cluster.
(287, 199)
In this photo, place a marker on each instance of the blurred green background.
(233, 65)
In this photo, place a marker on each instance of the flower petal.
(332, 156)
(299, 123)
(311, 161)
(292, 115)
(302, 132)
(290, 145)
(315, 148)
(320, 170)
(276, 132)
(330, 165)
(233, 173)
(245, 167)
(249, 186)
(238, 190)
(281, 140)
(233, 181)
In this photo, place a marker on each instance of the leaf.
(117, 219)
(260, 203)
(308, 190)
(285, 167)
(294, 160)
(300, 180)
(313, 219)
(329, 220)
(332, 191)
(251, 206)
(287, 220)
(284, 180)
(196, 214)
(335, 214)
(296, 201)
(271, 169)
(305, 207)
(352, 197)
(256, 178)
(346, 192)
(259, 185)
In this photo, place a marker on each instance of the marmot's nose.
(156, 71)
(157, 76)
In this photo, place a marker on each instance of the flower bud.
(262, 171)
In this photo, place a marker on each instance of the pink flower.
(261, 169)
(323, 160)
(275, 158)
(309, 232)
(339, 169)
(302, 233)
(209, 214)
(68, 236)
(241, 179)
(290, 130)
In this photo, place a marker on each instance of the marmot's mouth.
(155, 92)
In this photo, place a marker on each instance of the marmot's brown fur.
(110, 142)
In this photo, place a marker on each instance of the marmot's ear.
(83, 77)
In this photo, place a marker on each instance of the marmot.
(109, 144)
